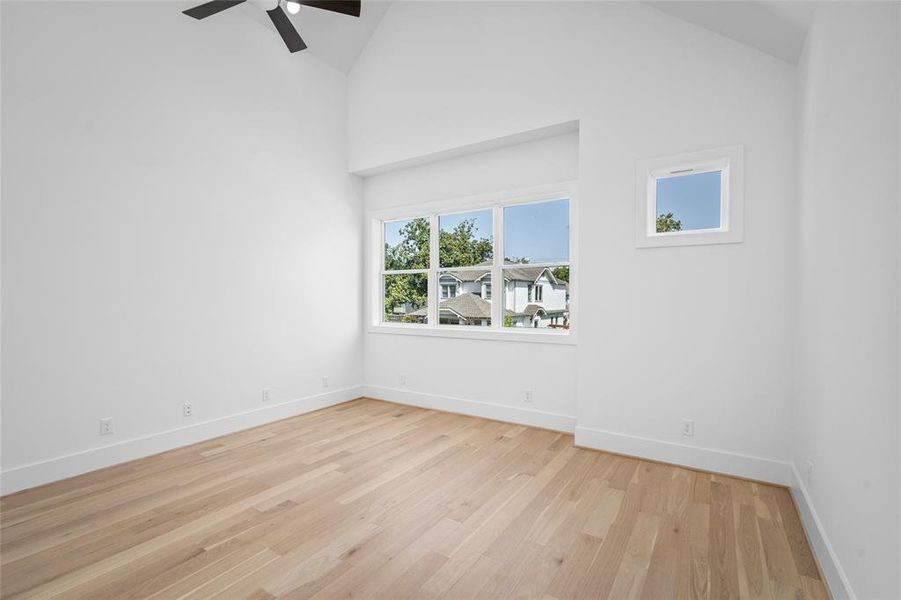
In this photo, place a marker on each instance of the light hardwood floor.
(376, 500)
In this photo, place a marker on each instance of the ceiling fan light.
(293, 7)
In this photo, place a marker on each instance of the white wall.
(477, 376)
(178, 224)
(451, 74)
(169, 190)
(847, 413)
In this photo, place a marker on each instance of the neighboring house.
(533, 298)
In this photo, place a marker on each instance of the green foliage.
(400, 289)
(412, 252)
(561, 273)
(508, 321)
(460, 247)
(667, 222)
(517, 260)
(457, 248)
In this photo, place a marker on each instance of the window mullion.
(433, 298)
(497, 278)
(405, 272)
(378, 312)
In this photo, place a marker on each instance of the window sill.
(477, 333)
(700, 237)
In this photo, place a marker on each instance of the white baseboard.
(836, 579)
(62, 467)
(705, 459)
(475, 408)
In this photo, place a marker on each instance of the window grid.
(497, 269)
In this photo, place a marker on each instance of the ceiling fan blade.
(347, 7)
(285, 29)
(211, 8)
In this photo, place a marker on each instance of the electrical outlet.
(528, 397)
(403, 380)
(187, 409)
(267, 394)
(325, 382)
(106, 426)
(688, 427)
(809, 471)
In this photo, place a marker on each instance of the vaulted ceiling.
(776, 27)
(335, 38)
(772, 26)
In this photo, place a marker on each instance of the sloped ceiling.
(335, 38)
(772, 26)
(776, 27)
(338, 39)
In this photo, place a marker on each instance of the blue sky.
(539, 232)
(392, 231)
(483, 219)
(693, 199)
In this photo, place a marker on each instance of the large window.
(438, 270)
(689, 199)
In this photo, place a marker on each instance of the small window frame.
(729, 160)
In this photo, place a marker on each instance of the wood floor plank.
(662, 567)
(753, 577)
(794, 531)
(723, 561)
(784, 578)
(370, 499)
(630, 577)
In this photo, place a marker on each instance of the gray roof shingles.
(468, 306)
(520, 272)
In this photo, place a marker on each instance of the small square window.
(689, 202)
(690, 199)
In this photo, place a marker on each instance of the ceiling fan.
(281, 21)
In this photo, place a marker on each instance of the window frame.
(450, 287)
(729, 160)
(497, 202)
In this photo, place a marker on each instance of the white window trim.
(728, 159)
(497, 201)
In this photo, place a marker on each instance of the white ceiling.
(335, 38)
(338, 39)
(777, 27)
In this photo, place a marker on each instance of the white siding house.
(533, 297)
